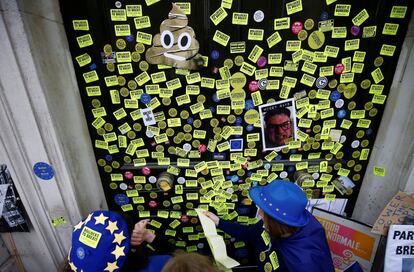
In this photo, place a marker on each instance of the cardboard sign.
(396, 210)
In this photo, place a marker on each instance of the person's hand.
(213, 217)
(139, 231)
(149, 236)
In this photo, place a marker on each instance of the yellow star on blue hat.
(111, 267)
(100, 219)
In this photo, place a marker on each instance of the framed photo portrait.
(278, 124)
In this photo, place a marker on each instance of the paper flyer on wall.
(399, 254)
(216, 242)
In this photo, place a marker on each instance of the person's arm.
(246, 233)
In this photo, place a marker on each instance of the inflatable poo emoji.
(176, 46)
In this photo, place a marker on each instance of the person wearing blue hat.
(288, 237)
(102, 242)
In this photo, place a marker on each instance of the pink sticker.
(262, 61)
(253, 86)
(128, 175)
(339, 68)
(146, 171)
(355, 30)
(297, 27)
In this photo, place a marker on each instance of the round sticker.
(229, 63)
(43, 170)
(215, 54)
(339, 68)
(283, 174)
(296, 27)
(355, 144)
(355, 30)
(263, 83)
(118, 4)
(262, 61)
(140, 48)
(309, 24)
(181, 180)
(80, 253)
(339, 103)
(316, 39)
(324, 16)
(302, 35)
(238, 94)
(335, 95)
(120, 43)
(258, 16)
(123, 186)
(145, 98)
(341, 114)
(378, 61)
(238, 60)
(321, 82)
(333, 83)
(253, 86)
(365, 84)
(251, 116)
(121, 199)
(238, 80)
(350, 90)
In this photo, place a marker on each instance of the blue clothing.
(156, 263)
(306, 250)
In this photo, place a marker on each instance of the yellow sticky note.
(377, 75)
(247, 68)
(133, 10)
(122, 30)
(240, 18)
(281, 23)
(125, 68)
(398, 12)
(83, 59)
(142, 22)
(255, 34)
(218, 15)
(255, 53)
(144, 38)
(84, 41)
(352, 44)
(379, 171)
(387, 50)
(293, 45)
(361, 17)
(342, 10)
(293, 7)
(118, 15)
(80, 24)
(221, 38)
(185, 7)
(390, 29)
(90, 76)
(274, 39)
(90, 237)
(237, 47)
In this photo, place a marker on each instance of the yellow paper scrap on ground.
(216, 242)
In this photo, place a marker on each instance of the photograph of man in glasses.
(278, 124)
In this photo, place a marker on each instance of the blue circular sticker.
(43, 170)
(130, 38)
(335, 95)
(215, 54)
(121, 199)
(145, 98)
(341, 114)
(80, 253)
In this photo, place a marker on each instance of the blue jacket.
(306, 250)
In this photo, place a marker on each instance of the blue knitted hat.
(100, 242)
(282, 200)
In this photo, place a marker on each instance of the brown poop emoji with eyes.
(176, 46)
